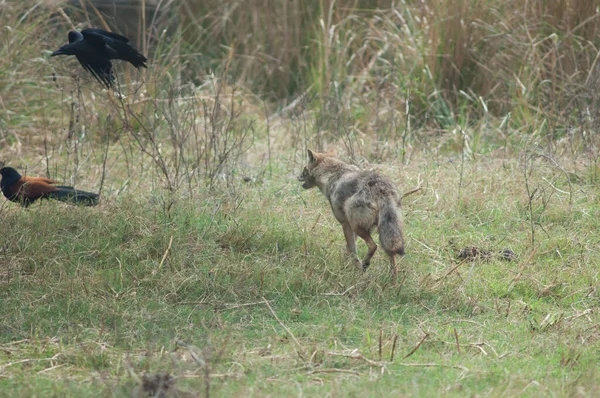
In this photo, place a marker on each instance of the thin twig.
(315, 223)
(469, 275)
(333, 370)
(452, 270)
(399, 288)
(457, 343)
(289, 332)
(164, 257)
(16, 342)
(462, 320)
(105, 159)
(417, 189)
(64, 15)
(522, 267)
(428, 365)
(212, 376)
(3, 367)
(99, 15)
(243, 305)
(356, 355)
(380, 339)
(554, 187)
(51, 368)
(393, 348)
(418, 345)
(339, 294)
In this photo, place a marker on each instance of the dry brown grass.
(444, 57)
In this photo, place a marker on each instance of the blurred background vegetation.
(367, 74)
(482, 55)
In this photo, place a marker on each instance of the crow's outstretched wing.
(99, 34)
(115, 46)
(100, 67)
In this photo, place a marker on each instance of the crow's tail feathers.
(138, 60)
(72, 195)
(130, 54)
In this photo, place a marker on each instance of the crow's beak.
(58, 52)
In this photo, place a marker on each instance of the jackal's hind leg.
(366, 236)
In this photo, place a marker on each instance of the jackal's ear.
(312, 157)
(332, 152)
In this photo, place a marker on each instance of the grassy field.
(250, 295)
(209, 270)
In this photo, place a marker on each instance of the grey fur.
(361, 200)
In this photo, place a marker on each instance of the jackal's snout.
(306, 179)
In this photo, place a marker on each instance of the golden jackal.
(360, 200)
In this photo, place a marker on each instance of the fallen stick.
(418, 345)
(289, 332)
(334, 370)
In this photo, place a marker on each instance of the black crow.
(94, 48)
(26, 190)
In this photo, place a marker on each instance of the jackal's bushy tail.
(390, 228)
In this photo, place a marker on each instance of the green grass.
(208, 262)
(89, 304)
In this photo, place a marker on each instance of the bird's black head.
(68, 49)
(75, 36)
(9, 176)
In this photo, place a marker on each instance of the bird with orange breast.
(25, 190)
